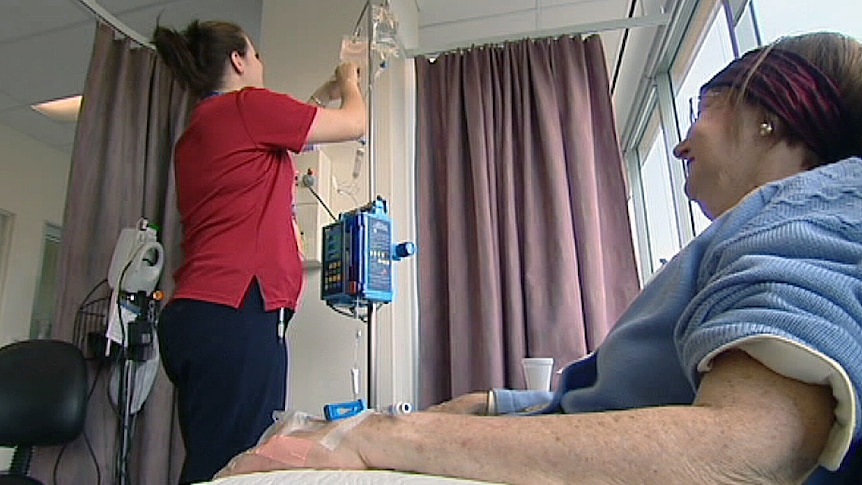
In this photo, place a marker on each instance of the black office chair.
(43, 400)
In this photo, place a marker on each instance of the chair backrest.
(43, 393)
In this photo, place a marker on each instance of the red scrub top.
(235, 194)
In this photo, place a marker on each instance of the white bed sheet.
(340, 477)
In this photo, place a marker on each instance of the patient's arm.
(472, 403)
(748, 425)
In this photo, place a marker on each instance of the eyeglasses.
(693, 106)
(697, 104)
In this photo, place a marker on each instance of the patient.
(740, 362)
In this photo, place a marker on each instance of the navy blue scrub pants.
(229, 367)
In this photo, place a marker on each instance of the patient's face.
(722, 151)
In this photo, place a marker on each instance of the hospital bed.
(340, 477)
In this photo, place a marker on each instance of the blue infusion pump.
(358, 255)
(357, 271)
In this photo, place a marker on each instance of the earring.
(766, 128)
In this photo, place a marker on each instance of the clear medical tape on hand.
(277, 445)
(334, 437)
(293, 451)
(285, 449)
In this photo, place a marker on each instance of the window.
(775, 18)
(747, 32)
(5, 237)
(41, 320)
(635, 241)
(662, 219)
(662, 229)
(667, 220)
(715, 52)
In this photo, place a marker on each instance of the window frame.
(679, 49)
(632, 162)
(8, 220)
(686, 36)
(51, 234)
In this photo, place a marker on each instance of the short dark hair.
(839, 57)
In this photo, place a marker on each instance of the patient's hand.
(473, 403)
(299, 449)
(249, 462)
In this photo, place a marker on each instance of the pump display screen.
(379, 259)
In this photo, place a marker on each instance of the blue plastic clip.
(342, 410)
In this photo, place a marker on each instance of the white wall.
(300, 43)
(33, 180)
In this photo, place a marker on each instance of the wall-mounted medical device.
(133, 274)
(137, 260)
(357, 257)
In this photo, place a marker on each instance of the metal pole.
(372, 356)
(369, 151)
(100, 12)
(369, 135)
(124, 398)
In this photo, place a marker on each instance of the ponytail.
(197, 56)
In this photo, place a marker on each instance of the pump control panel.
(358, 255)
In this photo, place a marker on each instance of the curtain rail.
(105, 16)
(586, 28)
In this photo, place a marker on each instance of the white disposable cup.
(537, 371)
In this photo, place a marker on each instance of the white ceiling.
(46, 43)
(47, 46)
(449, 22)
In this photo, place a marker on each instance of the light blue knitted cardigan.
(786, 261)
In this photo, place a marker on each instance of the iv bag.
(354, 49)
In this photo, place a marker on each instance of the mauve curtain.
(121, 170)
(525, 248)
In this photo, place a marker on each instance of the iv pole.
(369, 150)
(372, 24)
(364, 252)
